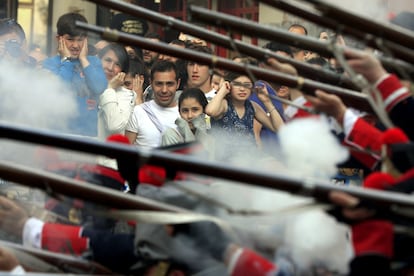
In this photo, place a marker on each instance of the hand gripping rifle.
(304, 42)
(386, 32)
(372, 33)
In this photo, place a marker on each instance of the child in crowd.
(82, 71)
(191, 125)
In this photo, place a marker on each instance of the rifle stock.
(51, 182)
(350, 97)
(46, 261)
(317, 189)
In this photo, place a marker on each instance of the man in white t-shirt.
(150, 119)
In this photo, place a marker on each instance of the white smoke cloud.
(309, 149)
(34, 98)
(314, 238)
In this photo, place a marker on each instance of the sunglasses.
(247, 85)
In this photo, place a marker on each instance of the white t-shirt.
(148, 134)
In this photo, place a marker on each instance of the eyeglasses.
(247, 85)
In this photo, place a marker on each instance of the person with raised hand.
(191, 125)
(125, 88)
(13, 44)
(396, 95)
(232, 116)
(81, 71)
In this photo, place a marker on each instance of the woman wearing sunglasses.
(232, 115)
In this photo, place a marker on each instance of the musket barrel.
(296, 185)
(304, 69)
(57, 263)
(78, 189)
(350, 97)
(244, 26)
(304, 42)
(386, 31)
(340, 26)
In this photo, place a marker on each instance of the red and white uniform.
(54, 237)
(246, 262)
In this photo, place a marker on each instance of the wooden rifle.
(37, 260)
(349, 97)
(304, 42)
(386, 32)
(372, 33)
(315, 188)
(304, 69)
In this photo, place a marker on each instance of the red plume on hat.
(117, 138)
(379, 181)
(398, 149)
(394, 136)
(398, 162)
(127, 165)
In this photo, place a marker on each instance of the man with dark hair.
(66, 25)
(174, 43)
(180, 63)
(279, 48)
(83, 72)
(150, 119)
(148, 55)
(298, 29)
(298, 54)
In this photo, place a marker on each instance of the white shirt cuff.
(350, 119)
(291, 111)
(32, 233)
(18, 270)
(381, 80)
(233, 261)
